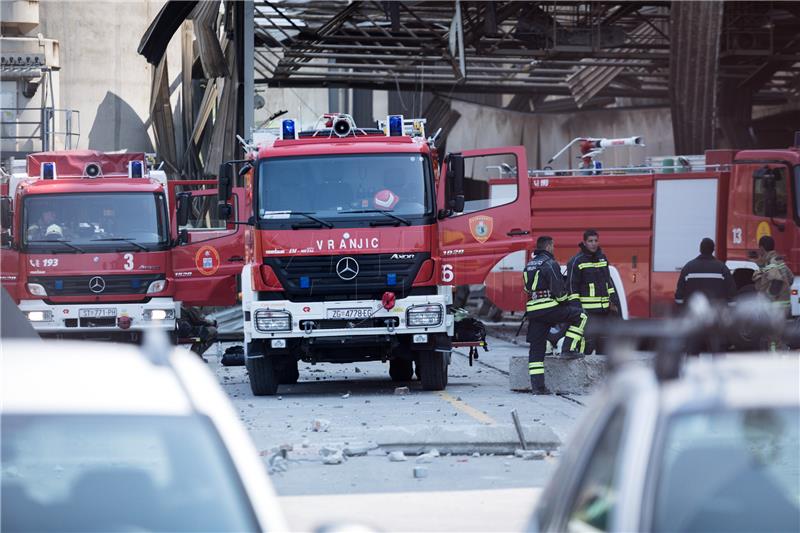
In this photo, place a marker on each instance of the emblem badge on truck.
(347, 268)
(97, 284)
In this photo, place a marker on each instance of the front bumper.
(319, 313)
(68, 319)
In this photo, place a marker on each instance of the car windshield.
(735, 470)
(95, 221)
(118, 473)
(332, 187)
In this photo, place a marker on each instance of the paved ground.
(355, 406)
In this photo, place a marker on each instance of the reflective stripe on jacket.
(543, 282)
(589, 280)
(707, 275)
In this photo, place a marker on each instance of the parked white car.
(104, 437)
(716, 449)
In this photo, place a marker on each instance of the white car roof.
(86, 377)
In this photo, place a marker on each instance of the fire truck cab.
(96, 245)
(356, 240)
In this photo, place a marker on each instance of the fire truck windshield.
(96, 222)
(346, 189)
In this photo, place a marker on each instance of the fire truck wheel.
(401, 369)
(263, 378)
(288, 374)
(433, 368)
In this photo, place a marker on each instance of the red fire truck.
(651, 221)
(88, 249)
(356, 240)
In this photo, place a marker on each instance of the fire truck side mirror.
(224, 211)
(225, 181)
(6, 215)
(182, 208)
(455, 178)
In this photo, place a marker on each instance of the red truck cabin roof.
(346, 145)
(72, 163)
(790, 155)
(62, 186)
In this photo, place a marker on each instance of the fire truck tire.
(263, 377)
(288, 373)
(401, 369)
(432, 369)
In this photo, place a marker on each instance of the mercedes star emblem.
(97, 284)
(347, 268)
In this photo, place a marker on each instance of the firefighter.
(773, 278)
(589, 283)
(547, 307)
(194, 325)
(707, 275)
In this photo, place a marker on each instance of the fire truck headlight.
(273, 320)
(40, 316)
(157, 286)
(424, 315)
(36, 289)
(158, 314)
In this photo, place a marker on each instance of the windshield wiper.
(308, 214)
(60, 241)
(124, 239)
(381, 211)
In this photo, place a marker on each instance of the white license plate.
(360, 312)
(98, 312)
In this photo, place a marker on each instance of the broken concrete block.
(397, 457)
(320, 424)
(353, 450)
(329, 450)
(476, 454)
(566, 376)
(425, 458)
(420, 472)
(334, 458)
(401, 391)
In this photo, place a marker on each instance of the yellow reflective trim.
(536, 364)
(574, 296)
(592, 298)
(537, 305)
(594, 305)
(536, 371)
(591, 290)
(599, 264)
(535, 281)
(611, 290)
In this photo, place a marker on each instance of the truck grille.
(79, 285)
(306, 278)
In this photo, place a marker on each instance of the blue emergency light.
(305, 282)
(288, 130)
(391, 279)
(47, 171)
(135, 169)
(395, 125)
(59, 284)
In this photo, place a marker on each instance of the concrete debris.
(358, 370)
(286, 447)
(353, 450)
(346, 396)
(434, 452)
(476, 454)
(530, 455)
(306, 443)
(320, 424)
(397, 457)
(329, 450)
(401, 391)
(334, 458)
(420, 472)
(425, 458)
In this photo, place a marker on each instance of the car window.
(732, 470)
(778, 177)
(597, 492)
(121, 473)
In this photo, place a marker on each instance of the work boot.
(541, 391)
(570, 355)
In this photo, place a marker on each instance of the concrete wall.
(545, 134)
(101, 74)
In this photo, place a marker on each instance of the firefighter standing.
(547, 307)
(707, 275)
(589, 282)
(773, 279)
